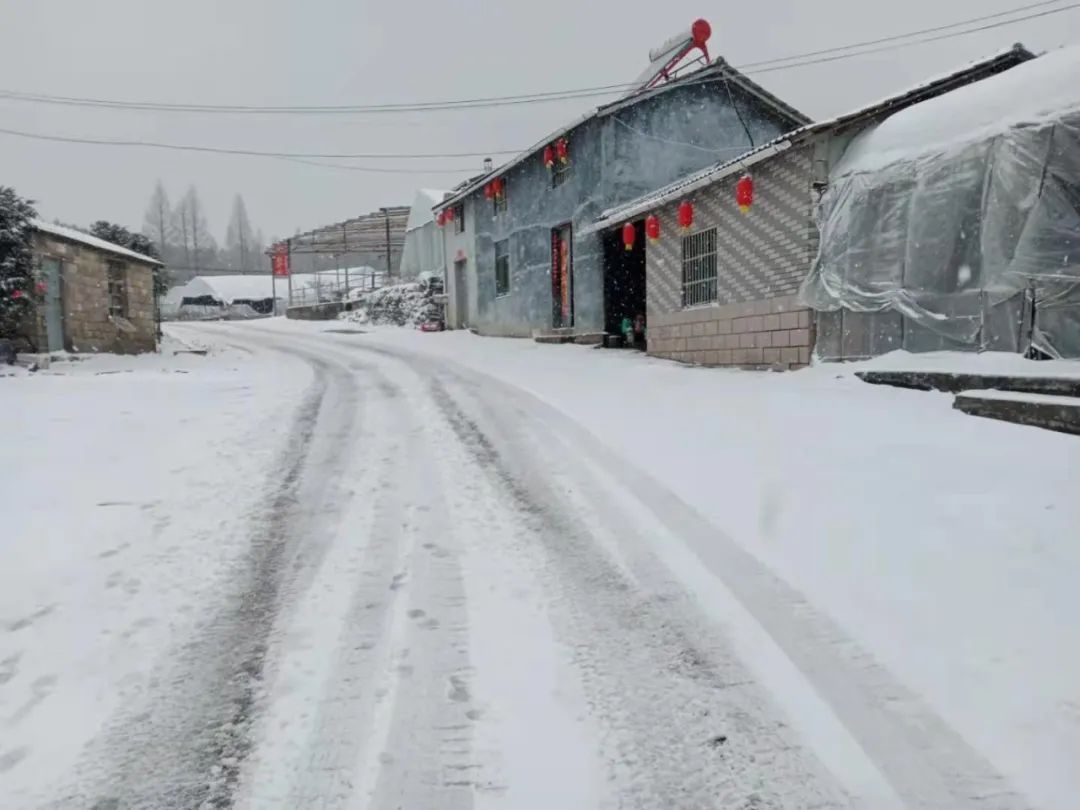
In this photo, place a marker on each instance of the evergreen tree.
(17, 290)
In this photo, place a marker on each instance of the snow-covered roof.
(90, 241)
(1042, 88)
(226, 289)
(930, 88)
(420, 214)
(718, 71)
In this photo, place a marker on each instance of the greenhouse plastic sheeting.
(973, 245)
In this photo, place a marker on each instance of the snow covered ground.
(436, 570)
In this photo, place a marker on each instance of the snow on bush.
(409, 304)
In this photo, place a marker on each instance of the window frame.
(699, 250)
(504, 260)
(498, 203)
(561, 172)
(116, 287)
(459, 217)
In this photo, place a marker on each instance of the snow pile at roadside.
(408, 304)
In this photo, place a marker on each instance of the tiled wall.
(763, 256)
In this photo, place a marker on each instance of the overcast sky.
(285, 52)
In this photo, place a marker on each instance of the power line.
(314, 159)
(922, 41)
(909, 34)
(767, 66)
(296, 158)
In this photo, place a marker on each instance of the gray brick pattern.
(762, 254)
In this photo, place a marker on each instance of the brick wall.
(770, 333)
(88, 327)
(762, 257)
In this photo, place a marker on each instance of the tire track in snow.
(184, 744)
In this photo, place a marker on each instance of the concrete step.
(954, 383)
(1058, 413)
(569, 336)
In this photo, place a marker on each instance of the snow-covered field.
(462, 572)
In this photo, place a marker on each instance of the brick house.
(98, 297)
(725, 292)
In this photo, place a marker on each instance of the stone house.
(519, 258)
(96, 296)
(725, 290)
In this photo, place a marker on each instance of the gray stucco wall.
(615, 158)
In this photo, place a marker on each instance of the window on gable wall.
(560, 173)
(459, 218)
(498, 204)
(502, 268)
(118, 297)
(699, 268)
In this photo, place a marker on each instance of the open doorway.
(562, 277)
(624, 286)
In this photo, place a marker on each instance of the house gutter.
(619, 215)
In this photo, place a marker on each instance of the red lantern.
(629, 234)
(549, 156)
(499, 185)
(744, 193)
(16, 293)
(652, 227)
(448, 215)
(440, 218)
(40, 287)
(489, 191)
(686, 215)
(562, 149)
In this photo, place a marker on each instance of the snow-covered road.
(396, 581)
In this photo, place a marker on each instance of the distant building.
(423, 251)
(519, 260)
(97, 296)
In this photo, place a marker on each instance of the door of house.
(54, 313)
(562, 277)
(458, 319)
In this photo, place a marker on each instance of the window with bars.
(118, 297)
(560, 173)
(459, 218)
(502, 268)
(699, 268)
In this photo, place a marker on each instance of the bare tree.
(239, 240)
(157, 223)
(198, 242)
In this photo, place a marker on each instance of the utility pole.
(386, 213)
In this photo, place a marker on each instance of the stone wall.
(88, 325)
(762, 257)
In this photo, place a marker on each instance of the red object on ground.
(686, 215)
(744, 193)
(431, 326)
(16, 293)
(652, 227)
(629, 234)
